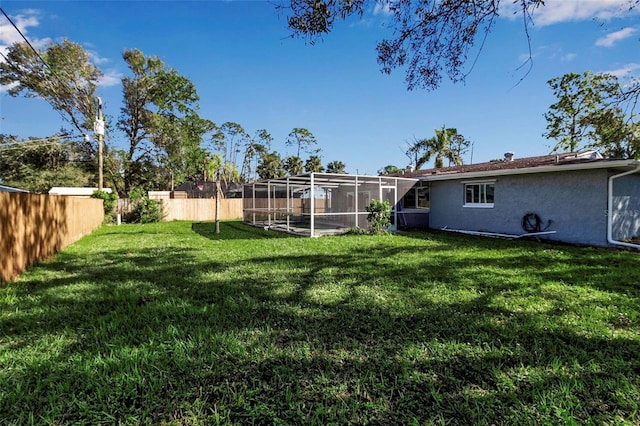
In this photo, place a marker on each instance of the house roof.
(75, 191)
(545, 163)
(4, 188)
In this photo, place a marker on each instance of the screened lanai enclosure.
(316, 204)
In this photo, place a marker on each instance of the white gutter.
(610, 239)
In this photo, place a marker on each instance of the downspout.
(610, 239)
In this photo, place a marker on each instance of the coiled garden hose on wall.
(531, 223)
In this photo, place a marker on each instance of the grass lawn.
(171, 324)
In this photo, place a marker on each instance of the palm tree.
(337, 167)
(313, 164)
(438, 147)
(271, 166)
(293, 164)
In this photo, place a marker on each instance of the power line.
(39, 143)
(50, 138)
(22, 146)
(24, 38)
(53, 72)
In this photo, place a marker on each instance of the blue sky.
(247, 70)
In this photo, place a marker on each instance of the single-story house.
(576, 197)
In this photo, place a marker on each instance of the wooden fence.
(201, 208)
(191, 208)
(35, 226)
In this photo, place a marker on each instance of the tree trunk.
(218, 194)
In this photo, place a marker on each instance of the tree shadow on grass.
(236, 230)
(604, 269)
(362, 335)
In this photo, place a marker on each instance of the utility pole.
(99, 131)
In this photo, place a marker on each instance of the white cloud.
(110, 78)
(9, 35)
(6, 88)
(557, 11)
(96, 59)
(25, 20)
(382, 7)
(624, 71)
(548, 53)
(610, 39)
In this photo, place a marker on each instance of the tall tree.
(303, 140)
(313, 164)
(460, 146)
(62, 74)
(581, 98)
(178, 145)
(264, 138)
(337, 167)
(431, 38)
(389, 170)
(617, 136)
(37, 165)
(159, 118)
(438, 146)
(271, 166)
(254, 149)
(294, 165)
(230, 141)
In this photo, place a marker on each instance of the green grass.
(171, 324)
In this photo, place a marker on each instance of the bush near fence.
(35, 226)
(191, 208)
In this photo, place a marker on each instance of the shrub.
(109, 203)
(356, 231)
(145, 210)
(379, 216)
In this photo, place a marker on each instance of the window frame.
(482, 189)
(420, 188)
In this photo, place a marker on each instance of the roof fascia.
(533, 170)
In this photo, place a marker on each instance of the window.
(479, 194)
(416, 198)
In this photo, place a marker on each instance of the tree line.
(431, 39)
(168, 142)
